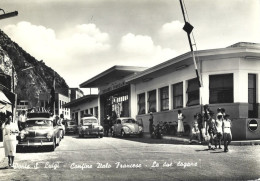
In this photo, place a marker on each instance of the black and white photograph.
(129, 90)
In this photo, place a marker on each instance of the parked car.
(89, 126)
(71, 127)
(40, 131)
(126, 126)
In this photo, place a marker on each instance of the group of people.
(212, 130)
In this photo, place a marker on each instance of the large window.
(164, 94)
(177, 95)
(252, 106)
(193, 92)
(221, 88)
(141, 103)
(152, 101)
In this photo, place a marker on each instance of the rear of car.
(89, 126)
(71, 127)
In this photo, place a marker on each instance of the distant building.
(75, 93)
(87, 104)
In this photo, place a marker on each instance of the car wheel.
(123, 134)
(101, 136)
(141, 135)
(113, 133)
(52, 148)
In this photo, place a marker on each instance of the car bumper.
(36, 142)
(133, 133)
(91, 132)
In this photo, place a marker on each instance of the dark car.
(71, 127)
(89, 126)
(40, 131)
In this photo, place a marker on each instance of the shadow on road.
(32, 149)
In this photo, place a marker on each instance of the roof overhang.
(81, 100)
(110, 75)
(186, 60)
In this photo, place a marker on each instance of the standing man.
(227, 131)
(210, 128)
(21, 120)
(180, 129)
(151, 123)
(106, 125)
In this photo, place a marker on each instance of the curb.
(237, 143)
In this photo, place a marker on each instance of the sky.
(81, 38)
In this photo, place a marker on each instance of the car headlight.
(140, 128)
(49, 135)
(100, 128)
(126, 129)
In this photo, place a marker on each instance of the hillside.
(28, 83)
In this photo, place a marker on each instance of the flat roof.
(80, 100)
(185, 60)
(112, 74)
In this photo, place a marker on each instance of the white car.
(125, 126)
(89, 126)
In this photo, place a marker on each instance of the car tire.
(52, 148)
(101, 136)
(113, 133)
(123, 134)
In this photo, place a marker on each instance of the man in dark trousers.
(106, 125)
(151, 123)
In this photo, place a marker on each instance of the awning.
(4, 99)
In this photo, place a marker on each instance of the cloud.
(171, 29)
(63, 53)
(141, 50)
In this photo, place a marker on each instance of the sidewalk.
(185, 140)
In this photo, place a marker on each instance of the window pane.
(178, 95)
(221, 88)
(193, 92)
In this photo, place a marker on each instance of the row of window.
(220, 90)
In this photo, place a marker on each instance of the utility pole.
(188, 28)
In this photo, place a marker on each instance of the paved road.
(133, 159)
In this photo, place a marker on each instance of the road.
(133, 159)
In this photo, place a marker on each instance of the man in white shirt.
(227, 132)
(21, 120)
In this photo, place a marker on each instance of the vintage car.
(125, 126)
(40, 130)
(71, 126)
(89, 126)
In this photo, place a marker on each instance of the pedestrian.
(219, 129)
(227, 132)
(195, 132)
(21, 120)
(210, 129)
(10, 142)
(219, 112)
(151, 123)
(180, 129)
(106, 125)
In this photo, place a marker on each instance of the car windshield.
(40, 122)
(87, 121)
(129, 121)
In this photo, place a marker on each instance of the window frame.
(141, 105)
(223, 94)
(152, 102)
(164, 99)
(175, 97)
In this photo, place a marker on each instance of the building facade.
(229, 77)
(87, 104)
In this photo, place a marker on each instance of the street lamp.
(8, 15)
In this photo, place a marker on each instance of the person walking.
(219, 129)
(227, 132)
(180, 129)
(210, 128)
(10, 142)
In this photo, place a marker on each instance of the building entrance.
(116, 104)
